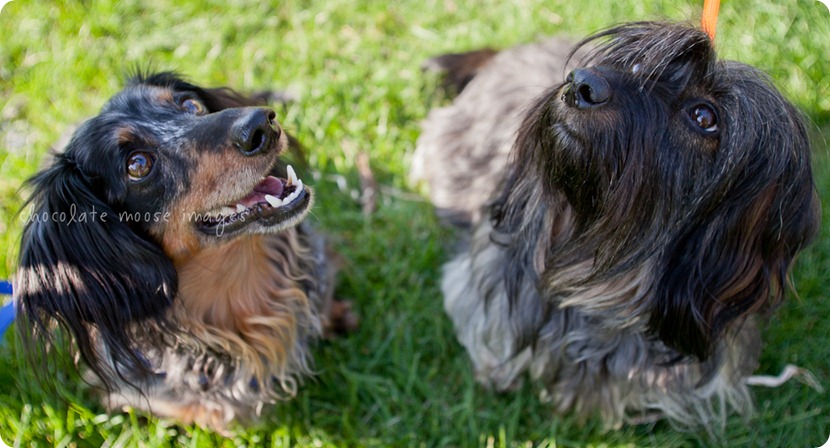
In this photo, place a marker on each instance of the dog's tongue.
(270, 185)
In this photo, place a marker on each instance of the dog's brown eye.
(192, 106)
(704, 117)
(139, 165)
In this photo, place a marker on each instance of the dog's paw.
(340, 320)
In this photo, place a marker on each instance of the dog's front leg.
(493, 330)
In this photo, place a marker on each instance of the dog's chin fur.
(619, 256)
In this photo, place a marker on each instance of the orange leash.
(709, 20)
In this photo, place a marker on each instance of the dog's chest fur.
(247, 312)
(588, 355)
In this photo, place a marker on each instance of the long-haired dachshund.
(167, 240)
(631, 225)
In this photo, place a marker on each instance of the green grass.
(402, 379)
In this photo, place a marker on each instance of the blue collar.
(7, 312)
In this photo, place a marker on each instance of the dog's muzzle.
(586, 89)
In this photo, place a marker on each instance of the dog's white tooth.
(290, 198)
(275, 202)
(227, 211)
(292, 176)
(240, 208)
(299, 186)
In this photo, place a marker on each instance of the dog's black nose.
(586, 89)
(254, 131)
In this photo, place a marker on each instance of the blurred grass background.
(401, 380)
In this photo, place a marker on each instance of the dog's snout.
(255, 130)
(586, 89)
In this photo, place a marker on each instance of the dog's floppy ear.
(81, 267)
(731, 258)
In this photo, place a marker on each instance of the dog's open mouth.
(272, 202)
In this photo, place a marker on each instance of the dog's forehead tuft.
(650, 49)
(170, 80)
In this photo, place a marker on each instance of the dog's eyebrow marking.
(129, 135)
(125, 135)
(164, 95)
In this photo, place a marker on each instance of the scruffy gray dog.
(630, 226)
